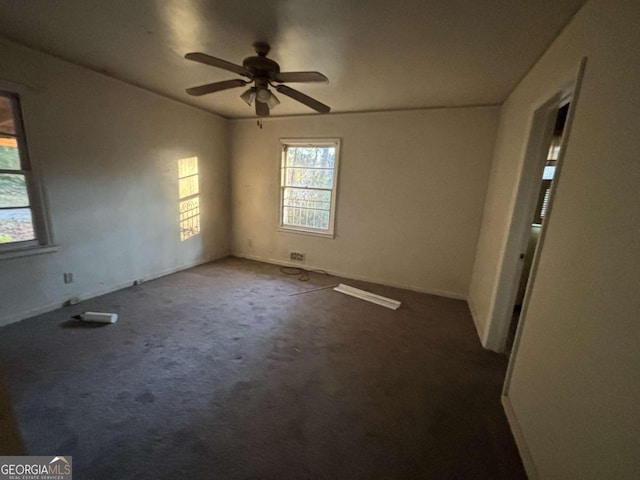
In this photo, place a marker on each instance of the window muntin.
(308, 181)
(22, 222)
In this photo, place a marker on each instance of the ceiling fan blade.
(262, 109)
(218, 62)
(284, 77)
(215, 87)
(302, 98)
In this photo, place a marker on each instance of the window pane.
(318, 157)
(309, 177)
(7, 124)
(302, 217)
(16, 225)
(548, 173)
(13, 190)
(306, 208)
(9, 155)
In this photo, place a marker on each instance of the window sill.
(27, 251)
(312, 233)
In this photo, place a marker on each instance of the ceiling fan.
(262, 72)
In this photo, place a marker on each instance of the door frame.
(540, 135)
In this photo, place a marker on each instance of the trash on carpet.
(98, 317)
(368, 296)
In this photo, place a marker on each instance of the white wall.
(410, 194)
(107, 153)
(575, 386)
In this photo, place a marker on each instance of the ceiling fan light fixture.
(263, 95)
(273, 101)
(249, 96)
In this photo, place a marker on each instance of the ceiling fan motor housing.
(261, 67)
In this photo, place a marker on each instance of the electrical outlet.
(68, 278)
(296, 256)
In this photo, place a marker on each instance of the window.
(308, 180)
(22, 223)
(547, 179)
(542, 207)
(189, 197)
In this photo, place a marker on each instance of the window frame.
(42, 243)
(309, 142)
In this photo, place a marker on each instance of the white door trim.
(543, 232)
(522, 215)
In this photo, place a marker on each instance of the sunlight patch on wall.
(189, 195)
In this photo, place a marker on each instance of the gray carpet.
(218, 372)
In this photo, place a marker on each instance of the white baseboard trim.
(523, 448)
(97, 293)
(285, 263)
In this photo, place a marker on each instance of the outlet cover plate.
(296, 256)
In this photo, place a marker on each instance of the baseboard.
(97, 293)
(523, 448)
(29, 313)
(337, 273)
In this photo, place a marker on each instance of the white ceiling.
(378, 54)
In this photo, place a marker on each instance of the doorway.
(541, 133)
(541, 209)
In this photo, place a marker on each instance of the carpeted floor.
(218, 372)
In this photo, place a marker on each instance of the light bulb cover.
(273, 101)
(249, 96)
(263, 95)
